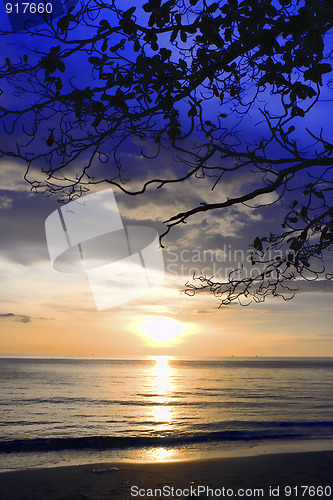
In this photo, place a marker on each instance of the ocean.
(57, 411)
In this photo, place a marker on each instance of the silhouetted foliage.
(156, 74)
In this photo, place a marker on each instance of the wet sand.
(263, 476)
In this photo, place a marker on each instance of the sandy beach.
(288, 475)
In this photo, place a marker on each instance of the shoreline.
(106, 481)
(25, 460)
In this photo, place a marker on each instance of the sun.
(162, 330)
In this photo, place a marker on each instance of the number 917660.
(28, 8)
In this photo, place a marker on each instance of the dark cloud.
(22, 233)
(312, 286)
(16, 317)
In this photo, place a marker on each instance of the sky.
(47, 312)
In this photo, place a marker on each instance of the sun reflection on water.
(162, 385)
(160, 454)
(161, 375)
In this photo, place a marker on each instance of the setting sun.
(162, 330)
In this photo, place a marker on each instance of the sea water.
(74, 410)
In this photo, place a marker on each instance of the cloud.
(183, 195)
(6, 202)
(314, 286)
(12, 176)
(22, 318)
(22, 233)
(16, 317)
(202, 230)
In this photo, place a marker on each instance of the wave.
(270, 431)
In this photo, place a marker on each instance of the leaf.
(212, 8)
(97, 121)
(296, 111)
(58, 84)
(63, 24)
(227, 35)
(96, 61)
(257, 244)
(183, 36)
(152, 19)
(61, 66)
(146, 7)
(25, 58)
(55, 50)
(104, 26)
(311, 92)
(166, 54)
(192, 112)
(324, 68)
(304, 212)
(182, 64)
(129, 12)
(174, 35)
(50, 140)
(315, 73)
(97, 107)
